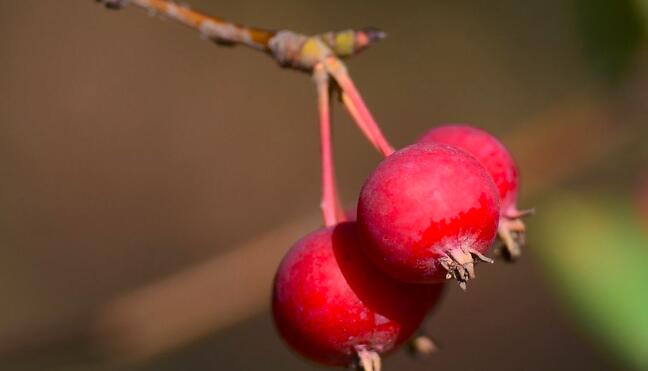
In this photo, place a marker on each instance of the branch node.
(113, 4)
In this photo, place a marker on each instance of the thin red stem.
(356, 106)
(332, 211)
(358, 119)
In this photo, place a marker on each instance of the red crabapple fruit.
(500, 165)
(429, 212)
(333, 307)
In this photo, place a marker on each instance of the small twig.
(290, 49)
(215, 28)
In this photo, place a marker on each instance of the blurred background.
(151, 181)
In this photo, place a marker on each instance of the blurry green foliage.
(596, 250)
(612, 32)
(643, 8)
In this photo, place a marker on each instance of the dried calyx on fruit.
(333, 307)
(499, 163)
(430, 212)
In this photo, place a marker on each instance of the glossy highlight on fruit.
(429, 212)
(499, 163)
(329, 303)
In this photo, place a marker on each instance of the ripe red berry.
(329, 303)
(502, 168)
(429, 211)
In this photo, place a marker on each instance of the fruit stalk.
(331, 206)
(356, 106)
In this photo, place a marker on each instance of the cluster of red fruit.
(428, 212)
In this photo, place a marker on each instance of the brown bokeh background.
(132, 150)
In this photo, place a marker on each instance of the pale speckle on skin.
(380, 320)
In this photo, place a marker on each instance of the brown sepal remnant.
(511, 233)
(460, 264)
(367, 360)
(421, 346)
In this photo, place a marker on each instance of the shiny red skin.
(328, 299)
(488, 151)
(421, 202)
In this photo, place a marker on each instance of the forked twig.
(316, 54)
